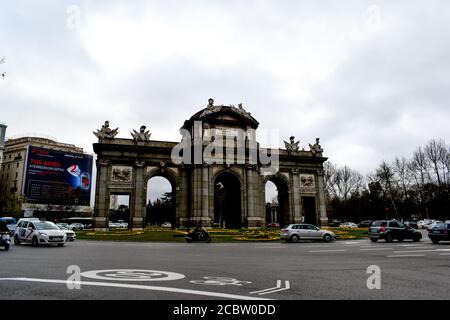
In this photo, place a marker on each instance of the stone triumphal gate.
(211, 186)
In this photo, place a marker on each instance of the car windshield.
(379, 223)
(45, 226)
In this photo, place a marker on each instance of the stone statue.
(106, 132)
(210, 103)
(142, 135)
(291, 146)
(316, 148)
(211, 108)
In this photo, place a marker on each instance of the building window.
(17, 164)
(17, 174)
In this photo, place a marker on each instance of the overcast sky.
(370, 78)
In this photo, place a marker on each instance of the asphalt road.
(305, 270)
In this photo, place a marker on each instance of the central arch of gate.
(211, 186)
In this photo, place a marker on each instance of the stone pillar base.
(297, 220)
(254, 222)
(100, 223)
(137, 223)
(203, 221)
(324, 222)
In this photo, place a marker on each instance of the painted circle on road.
(132, 275)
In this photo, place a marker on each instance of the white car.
(166, 225)
(421, 224)
(70, 235)
(348, 225)
(39, 232)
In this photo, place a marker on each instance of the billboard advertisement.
(57, 177)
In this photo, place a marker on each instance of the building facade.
(211, 186)
(2, 141)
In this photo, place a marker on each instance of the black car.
(390, 230)
(365, 224)
(440, 232)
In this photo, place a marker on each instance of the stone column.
(205, 209)
(101, 211)
(182, 200)
(138, 210)
(296, 196)
(253, 216)
(196, 203)
(321, 199)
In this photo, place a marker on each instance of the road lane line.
(444, 254)
(406, 255)
(414, 251)
(140, 287)
(373, 249)
(412, 245)
(337, 250)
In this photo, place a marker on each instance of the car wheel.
(416, 238)
(16, 240)
(294, 239)
(400, 239)
(35, 242)
(389, 237)
(6, 246)
(435, 241)
(373, 239)
(327, 238)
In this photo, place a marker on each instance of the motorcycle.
(198, 236)
(5, 240)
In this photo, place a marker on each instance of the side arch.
(174, 181)
(284, 195)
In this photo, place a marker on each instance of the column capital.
(103, 162)
(139, 163)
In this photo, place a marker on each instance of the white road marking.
(337, 250)
(132, 275)
(412, 245)
(406, 255)
(220, 281)
(274, 289)
(140, 287)
(271, 247)
(287, 287)
(414, 251)
(444, 254)
(269, 289)
(373, 249)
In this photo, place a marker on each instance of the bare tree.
(342, 182)
(437, 152)
(386, 177)
(402, 169)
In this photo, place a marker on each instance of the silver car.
(302, 231)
